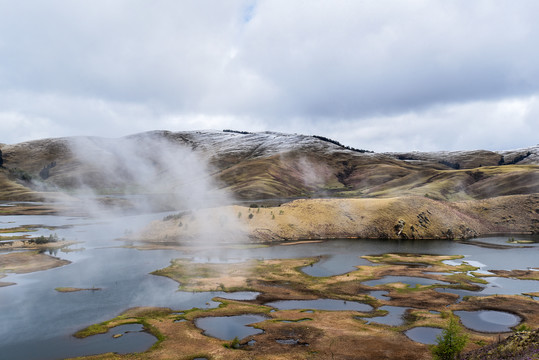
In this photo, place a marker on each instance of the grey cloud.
(161, 52)
(491, 125)
(114, 68)
(364, 58)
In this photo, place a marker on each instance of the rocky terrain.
(345, 191)
(522, 345)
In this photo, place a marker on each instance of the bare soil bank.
(388, 218)
(27, 262)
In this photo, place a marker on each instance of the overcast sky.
(381, 75)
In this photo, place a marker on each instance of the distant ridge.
(275, 165)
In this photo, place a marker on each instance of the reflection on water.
(394, 316)
(31, 330)
(336, 264)
(379, 294)
(229, 327)
(133, 339)
(497, 286)
(423, 334)
(240, 295)
(488, 320)
(409, 280)
(121, 339)
(320, 304)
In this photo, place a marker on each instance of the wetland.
(101, 293)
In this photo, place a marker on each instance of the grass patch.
(93, 330)
(67, 289)
(143, 317)
(19, 229)
(464, 278)
(14, 237)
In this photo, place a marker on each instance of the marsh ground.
(311, 333)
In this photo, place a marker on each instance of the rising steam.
(149, 173)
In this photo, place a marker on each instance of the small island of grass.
(67, 289)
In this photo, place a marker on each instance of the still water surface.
(36, 322)
(230, 327)
(488, 320)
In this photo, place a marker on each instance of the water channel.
(37, 322)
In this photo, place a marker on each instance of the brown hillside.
(381, 189)
(395, 218)
(271, 165)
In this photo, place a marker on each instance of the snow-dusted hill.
(259, 165)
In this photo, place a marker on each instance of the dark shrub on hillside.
(335, 142)
(517, 159)
(237, 132)
(452, 165)
(20, 174)
(46, 239)
(45, 172)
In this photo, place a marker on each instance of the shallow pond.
(423, 334)
(409, 280)
(240, 295)
(320, 304)
(379, 294)
(488, 320)
(336, 264)
(394, 316)
(229, 327)
(37, 321)
(133, 339)
(497, 286)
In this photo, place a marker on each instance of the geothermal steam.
(148, 173)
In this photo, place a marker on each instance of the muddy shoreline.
(27, 262)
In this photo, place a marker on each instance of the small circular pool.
(423, 334)
(488, 320)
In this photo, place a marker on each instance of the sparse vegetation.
(451, 342)
(406, 157)
(20, 175)
(379, 181)
(68, 289)
(517, 159)
(522, 327)
(234, 344)
(236, 131)
(335, 142)
(453, 165)
(45, 239)
(523, 345)
(45, 172)
(177, 216)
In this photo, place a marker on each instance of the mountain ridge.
(270, 164)
(391, 195)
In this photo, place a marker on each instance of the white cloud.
(492, 125)
(392, 67)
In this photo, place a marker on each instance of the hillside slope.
(388, 218)
(347, 192)
(266, 165)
